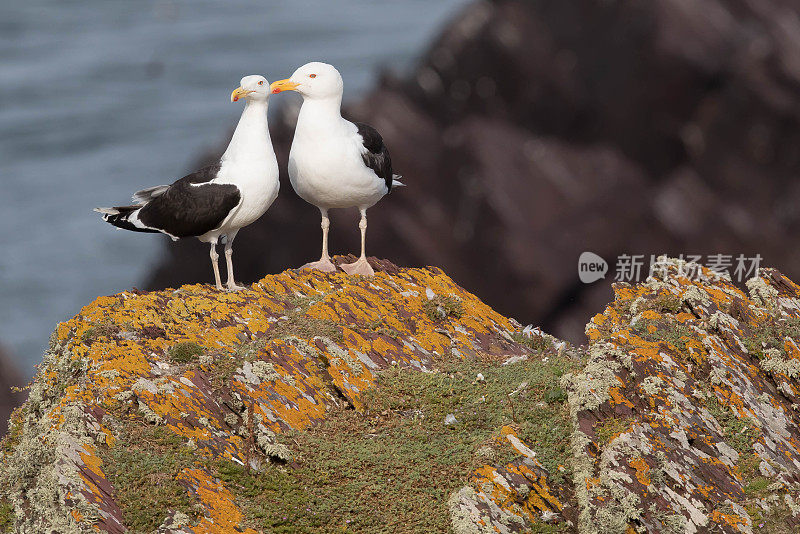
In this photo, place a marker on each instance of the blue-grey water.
(99, 98)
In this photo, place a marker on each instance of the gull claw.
(324, 265)
(234, 287)
(361, 267)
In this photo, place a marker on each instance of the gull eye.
(261, 83)
(312, 75)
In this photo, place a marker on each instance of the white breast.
(257, 180)
(329, 171)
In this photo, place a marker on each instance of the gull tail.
(396, 181)
(146, 195)
(125, 217)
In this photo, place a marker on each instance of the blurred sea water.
(101, 98)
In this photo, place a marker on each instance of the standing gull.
(220, 199)
(334, 163)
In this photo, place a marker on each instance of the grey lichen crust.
(692, 421)
(473, 512)
(763, 293)
(587, 390)
(43, 468)
(679, 412)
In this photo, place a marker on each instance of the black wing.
(191, 206)
(377, 155)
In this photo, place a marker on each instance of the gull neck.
(252, 132)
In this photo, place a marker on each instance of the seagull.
(335, 163)
(217, 201)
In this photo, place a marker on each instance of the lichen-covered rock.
(197, 411)
(509, 498)
(686, 414)
(216, 375)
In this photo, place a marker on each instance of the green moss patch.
(757, 486)
(6, 516)
(299, 324)
(185, 352)
(12, 438)
(547, 528)
(664, 302)
(778, 520)
(770, 335)
(535, 342)
(738, 432)
(441, 307)
(607, 429)
(669, 331)
(93, 333)
(380, 326)
(142, 467)
(393, 467)
(274, 498)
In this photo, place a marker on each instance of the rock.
(679, 416)
(274, 358)
(509, 498)
(683, 400)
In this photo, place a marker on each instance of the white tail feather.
(107, 211)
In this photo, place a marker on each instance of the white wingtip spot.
(107, 211)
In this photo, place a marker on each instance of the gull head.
(253, 87)
(312, 80)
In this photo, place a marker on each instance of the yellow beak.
(239, 93)
(283, 85)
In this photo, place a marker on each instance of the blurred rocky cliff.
(532, 131)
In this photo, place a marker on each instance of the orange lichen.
(220, 513)
(533, 497)
(642, 470)
(731, 520)
(677, 378)
(618, 398)
(282, 352)
(694, 349)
